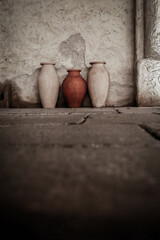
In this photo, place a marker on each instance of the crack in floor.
(156, 113)
(151, 132)
(118, 112)
(81, 121)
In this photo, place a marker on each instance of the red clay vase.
(74, 88)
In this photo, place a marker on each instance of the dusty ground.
(80, 173)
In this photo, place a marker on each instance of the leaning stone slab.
(148, 83)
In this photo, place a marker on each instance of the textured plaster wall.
(148, 69)
(152, 31)
(148, 86)
(72, 33)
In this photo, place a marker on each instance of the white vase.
(48, 85)
(98, 84)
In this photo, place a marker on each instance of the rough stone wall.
(71, 33)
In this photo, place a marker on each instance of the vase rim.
(73, 70)
(98, 62)
(47, 63)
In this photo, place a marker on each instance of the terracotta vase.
(98, 84)
(74, 88)
(48, 85)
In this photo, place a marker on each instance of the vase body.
(74, 88)
(98, 84)
(48, 85)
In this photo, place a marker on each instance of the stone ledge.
(68, 111)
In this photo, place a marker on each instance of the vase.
(74, 88)
(48, 85)
(98, 84)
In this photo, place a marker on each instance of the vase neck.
(101, 65)
(48, 66)
(74, 73)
